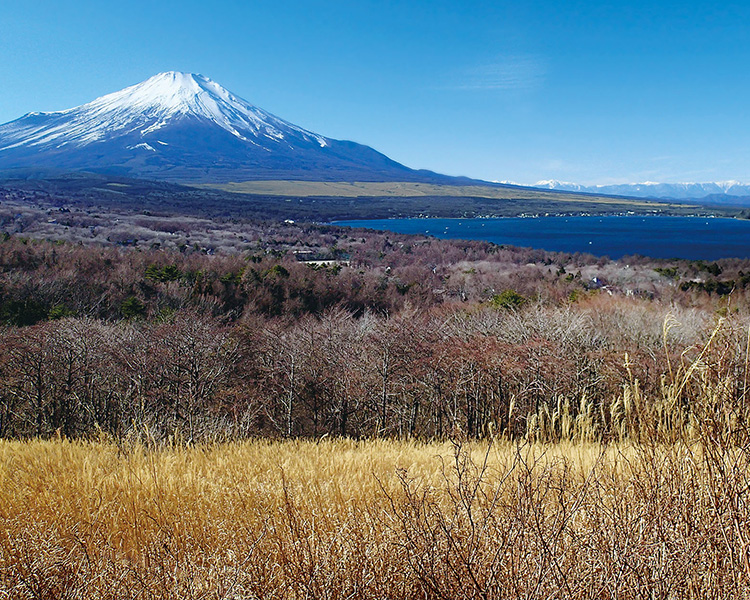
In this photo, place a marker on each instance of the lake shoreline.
(695, 237)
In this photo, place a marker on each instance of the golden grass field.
(399, 189)
(373, 519)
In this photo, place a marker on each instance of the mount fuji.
(184, 127)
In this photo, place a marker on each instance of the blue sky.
(582, 91)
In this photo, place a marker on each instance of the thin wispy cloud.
(507, 73)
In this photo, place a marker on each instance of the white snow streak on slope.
(149, 106)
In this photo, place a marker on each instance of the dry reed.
(376, 519)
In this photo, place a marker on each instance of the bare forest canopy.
(310, 330)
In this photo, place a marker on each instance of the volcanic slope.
(184, 127)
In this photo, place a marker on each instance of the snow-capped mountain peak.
(185, 127)
(653, 189)
(554, 184)
(147, 107)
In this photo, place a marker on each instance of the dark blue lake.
(616, 236)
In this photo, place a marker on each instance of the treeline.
(400, 336)
(367, 271)
(371, 271)
(553, 371)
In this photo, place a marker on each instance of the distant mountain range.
(185, 127)
(718, 192)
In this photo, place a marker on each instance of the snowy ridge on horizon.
(145, 108)
(651, 189)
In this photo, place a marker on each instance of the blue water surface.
(614, 236)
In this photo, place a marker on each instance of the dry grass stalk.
(341, 519)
